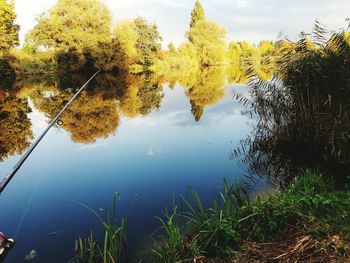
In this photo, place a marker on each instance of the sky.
(251, 20)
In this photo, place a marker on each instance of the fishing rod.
(18, 165)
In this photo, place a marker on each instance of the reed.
(304, 110)
(113, 249)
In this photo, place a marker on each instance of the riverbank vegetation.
(309, 221)
(303, 112)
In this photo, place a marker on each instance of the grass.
(311, 206)
(113, 248)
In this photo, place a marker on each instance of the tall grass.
(304, 111)
(310, 205)
(113, 249)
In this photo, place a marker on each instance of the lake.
(148, 140)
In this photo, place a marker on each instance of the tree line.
(78, 36)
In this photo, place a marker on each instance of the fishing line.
(30, 200)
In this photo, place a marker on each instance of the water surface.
(147, 140)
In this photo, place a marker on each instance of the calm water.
(104, 146)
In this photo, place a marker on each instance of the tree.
(234, 53)
(150, 93)
(8, 28)
(148, 41)
(15, 126)
(81, 24)
(209, 38)
(136, 42)
(142, 94)
(266, 47)
(126, 36)
(171, 48)
(197, 14)
(208, 89)
(197, 111)
(91, 116)
(79, 29)
(130, 103)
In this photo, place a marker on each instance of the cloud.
(242, 3)
(251, 20)
(91, 146)
(157, 150)
(143, 121)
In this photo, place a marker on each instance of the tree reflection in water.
(97, 112)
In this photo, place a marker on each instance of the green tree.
(171, 48)
(209, 38)
(77, 24)
(131, 103)
(197, 111)
(125, 38)
(79, 32)
(197, 14)
(148, 41)
(266, 52)
(8, 28)
(137, 43)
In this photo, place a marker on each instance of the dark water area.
(131, 135)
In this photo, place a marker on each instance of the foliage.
(125, 40)
(178, 65)
(197, 14)
(142, 95)
(209, 39)
(234, 53)
(96, 112)
(7, 73)
(150, 93)
(310, 204)
(196, 110)
(8, 28)
(88, 118)
(304, 111)
(76, 28)
(24, 62)
(131, 102)
(113, 248)
(76, 24)
(208, 89)
(15, 125)
(148, 41)
(136, 42)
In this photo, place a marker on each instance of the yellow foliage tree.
(8, 28)
(15, 126)
(90, 117)
(208, 89)
(75, 28)
(209, 38)
(125, 40)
